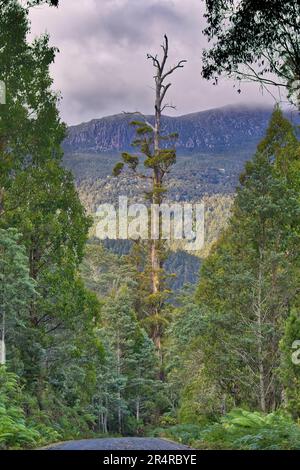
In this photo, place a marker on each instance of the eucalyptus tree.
(250, 282)
(158, 158)
(30, 127)
(255, 40)
(128, 376)
(16, 286)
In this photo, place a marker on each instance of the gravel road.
(124, 443)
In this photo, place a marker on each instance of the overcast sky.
(102, 69)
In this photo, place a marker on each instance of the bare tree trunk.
(100, 421)
(105, 416)
(2, 191)
(259, 316)
(138, 403)
(2, 340)
(119, 391)
(157, 177)
(223, 405)
(157, 199)
(2, 326)
(1, 201)
(119, 414)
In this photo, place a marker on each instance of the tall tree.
(250, 280)
(39, 199)
(289, 367)
(30, 126)
(159, 160)
(255, 40)
(130, 369)
(16, 286)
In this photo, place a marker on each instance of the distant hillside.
(211, 151)
(207, 131)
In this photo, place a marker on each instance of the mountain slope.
(211, 151)
(207, 131)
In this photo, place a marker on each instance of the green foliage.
(50, 317)
(254, 39)
(159, 161)
(184, 433)
(80, 348)
(197, 396)
(239, 430)
(201, 399)
(104, 271)
(289, 368)
(16, 431)
(246, 430)
(167, 420)
(40, 2)
(251, 271)
(127, 381)
(30, 123)
(118, 169)
(16, 286)
(229, 335)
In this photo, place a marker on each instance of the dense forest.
(98, 339)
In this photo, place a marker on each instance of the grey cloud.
(114, 21)
(102, 67)
(135, 21)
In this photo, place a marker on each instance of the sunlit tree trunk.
(260, 339)
(2, 340)
(161, 88)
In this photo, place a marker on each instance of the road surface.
(122, 443)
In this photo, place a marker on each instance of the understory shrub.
(183, 433)
(240, 430)
(16, 430)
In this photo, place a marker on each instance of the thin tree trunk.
(119, 391)
(137, 414)
(105, 416)
(2, 340)
(1, 201)
(119, 414)
(100, 421)
(259, 314)
(158, 173)
(157, 197)
(223, 405)
(2, 191)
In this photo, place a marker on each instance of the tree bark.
(137, 414)
(2, 341)
(119, 391)
(259, 314)
(157, 177)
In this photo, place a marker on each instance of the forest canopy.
(98, 342)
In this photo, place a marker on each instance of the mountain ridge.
(212, 148)
(216, 129)
(209, 170)
(242, 106)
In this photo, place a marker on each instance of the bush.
(167, 420)
(241, 429)
(183, 433)
(15, 430)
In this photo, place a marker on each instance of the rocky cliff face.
(208, 131)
